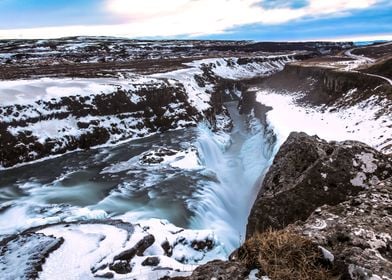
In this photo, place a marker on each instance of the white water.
(211, 201)
(224, 205)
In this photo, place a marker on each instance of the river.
(99, 183)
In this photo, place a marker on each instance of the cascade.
(224, 204)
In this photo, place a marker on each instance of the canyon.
(157, 159)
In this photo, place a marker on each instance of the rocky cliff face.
(80, 122)
(307, 173)
(322, 85)
(357, 231)
(62, 115)
(338, 195)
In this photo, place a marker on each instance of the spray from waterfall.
(224, 204)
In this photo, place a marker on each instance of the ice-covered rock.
(22, 256)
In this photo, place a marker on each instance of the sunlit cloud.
(158, 18)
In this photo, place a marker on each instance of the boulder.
(307, 173)
(151, 261)
(121, 267)
(223, 270)
(138, 249)
(358, 232)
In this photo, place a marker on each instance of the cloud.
(196, 15)
(145, 18)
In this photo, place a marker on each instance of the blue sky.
(260, 20)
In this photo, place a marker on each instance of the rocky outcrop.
(22, 256)
(224, 270)
(307, 173)
(337, 195)
(357, 231)
(324, 85)
(138, 249)
(81, 122)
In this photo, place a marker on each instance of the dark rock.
(151, 261)
(307, 173)
(156, 155)
(223, 270)
(121, 267)
(107, 275)
(138, 249)
(167, 248)
(201, 245)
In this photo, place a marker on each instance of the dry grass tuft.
(283, 255)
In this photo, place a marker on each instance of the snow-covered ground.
(360, 122)
(230, 68)
(96, 247)
(24, 92)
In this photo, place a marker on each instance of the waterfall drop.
(224, 204)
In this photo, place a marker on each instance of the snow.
(252, 275)
(186, 159)
(62, 129)
(368, 162)
(359, 122)
(28, 91)
(229, 68)
(198, 96)
(22, 254)
(26, 215)
(52, 128)
(94, 246)
(25, 92)
(327, 254)
(84, 246)
(359, 180)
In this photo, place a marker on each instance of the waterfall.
(224, 204)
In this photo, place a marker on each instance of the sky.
(259, 20)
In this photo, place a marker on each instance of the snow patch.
(369, 165)
(359, 122)
(359, 180)
(158, 158)
(327, 254)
